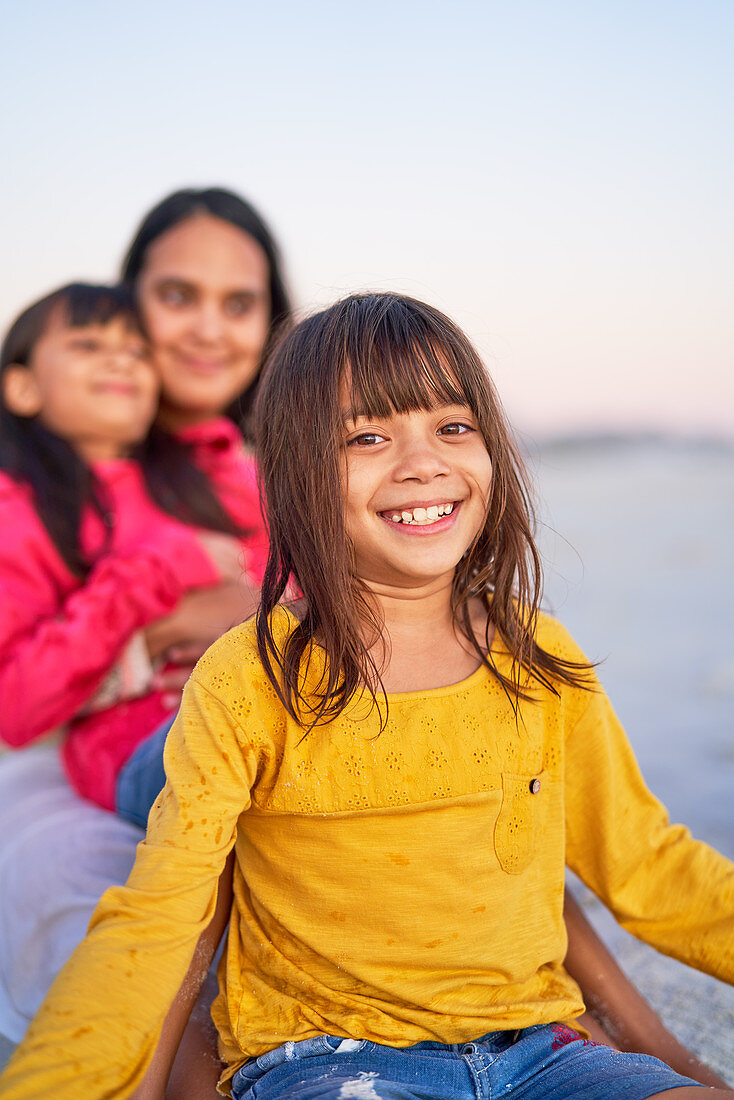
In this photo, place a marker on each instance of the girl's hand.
(199, 619)
(622, 1014)
(224, 551)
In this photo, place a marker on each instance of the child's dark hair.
(176, 484)
(62, 483)
(394, 354)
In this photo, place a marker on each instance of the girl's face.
(93, 385)
(417, 489)
(205, 299)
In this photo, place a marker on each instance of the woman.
(207, 275)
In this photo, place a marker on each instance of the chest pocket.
(516, 827)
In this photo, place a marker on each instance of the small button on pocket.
(515, 828)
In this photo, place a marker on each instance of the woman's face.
(205, 300)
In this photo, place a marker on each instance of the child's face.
(205, 297)
(93, 385)
(417, 488)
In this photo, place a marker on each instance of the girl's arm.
(197, 1067)
(53, 656)
(100, 1025)
(184, 1046)
(623, 1014)
(177, 640)
(669, 890)
(233, 475)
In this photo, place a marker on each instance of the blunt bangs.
(402, 356)
(81, 304)
(85, 304)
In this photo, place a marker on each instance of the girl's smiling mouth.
(429, 515)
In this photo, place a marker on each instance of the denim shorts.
(546, 1062)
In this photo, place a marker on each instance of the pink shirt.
(60, 636)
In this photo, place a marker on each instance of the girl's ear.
(20, 391)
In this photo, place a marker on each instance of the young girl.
(402, 763)
(87, 559)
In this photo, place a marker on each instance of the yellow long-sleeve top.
(394, 886)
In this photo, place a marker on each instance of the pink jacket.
(218, 450)
(65, 635)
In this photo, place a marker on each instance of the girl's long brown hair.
(395, 354)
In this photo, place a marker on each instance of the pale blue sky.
(556, 175)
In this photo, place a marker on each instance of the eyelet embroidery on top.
(515, 828)
(353, 767)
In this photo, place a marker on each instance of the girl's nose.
(421, 461)
(122, 360)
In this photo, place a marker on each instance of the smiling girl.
(403, 763)
(86, 559)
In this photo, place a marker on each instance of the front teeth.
(421, 517)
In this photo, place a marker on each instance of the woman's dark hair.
(394, 354)
(62, 483)
(175, 483)
(225, 205)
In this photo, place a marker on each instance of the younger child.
(86, 559)
(403, 764)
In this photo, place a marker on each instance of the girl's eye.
(366, 439)
(85, 343)
(456, 428)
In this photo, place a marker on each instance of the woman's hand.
(199, 619)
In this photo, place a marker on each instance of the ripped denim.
(546, 1062)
